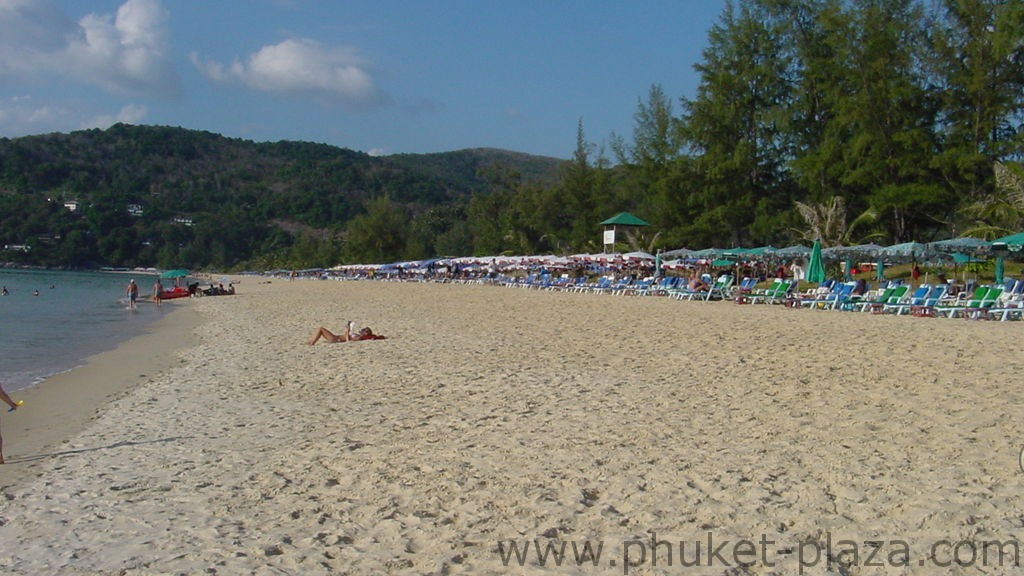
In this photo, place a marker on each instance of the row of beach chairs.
(999, 302)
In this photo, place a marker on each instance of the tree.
(977, 67)
(826, 221)
(651, 162)
(379, 235)
(1002, 211)
(734, 127)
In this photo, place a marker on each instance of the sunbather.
(349, 335)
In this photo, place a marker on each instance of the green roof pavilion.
(624, 219)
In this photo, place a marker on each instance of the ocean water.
(74, 316)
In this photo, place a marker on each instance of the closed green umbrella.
(816, 267)
(880, 270)
(999, 270)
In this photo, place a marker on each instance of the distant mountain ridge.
(223, 185)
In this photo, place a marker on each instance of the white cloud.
(20, 115)
(130, 114)
(125, 53)
(377, 152)
(23, 115)
(304, 67)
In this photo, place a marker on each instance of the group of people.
(133, 293)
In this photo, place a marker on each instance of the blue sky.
(380, 76)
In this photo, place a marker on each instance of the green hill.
(164, 196)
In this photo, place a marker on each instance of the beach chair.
(620, 287)
(974, 307)
(927, 308)
(720, 289)
(828, 300)
(640, 287)
(888, 296)
(743, 289)
(1010, 303)
(746, 286)
(915, 298)
(576, 286)
(776, 292)
(664, 286)
(683, 290)
(804, 298)
(603, 284)
(980, 310)
(842, 296)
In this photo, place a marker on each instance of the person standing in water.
(133, 293)
(158, 292)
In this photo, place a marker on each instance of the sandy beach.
(639, 426)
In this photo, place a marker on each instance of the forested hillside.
(884, 121)
(159, 196)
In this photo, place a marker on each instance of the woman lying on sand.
(349, 335)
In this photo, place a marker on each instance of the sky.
(378, 76)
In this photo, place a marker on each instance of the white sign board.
(609, 236)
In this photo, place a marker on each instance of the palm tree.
(826, 221)
(1001, 212)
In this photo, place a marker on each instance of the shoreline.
(63, 405)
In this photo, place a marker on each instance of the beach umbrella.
(795, 251)
(959, 259)
(677, 253)
(858, 251)
(880, 270)
(174, 273)
(1013, 242)
(999, 269)
(816, 267)
(965, 244)
(908, 251)
(638, 256)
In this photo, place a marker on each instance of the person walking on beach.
(158, 293)
(14, 406)
(133, 293)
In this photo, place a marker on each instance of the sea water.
(51, 321)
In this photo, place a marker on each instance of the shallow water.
(51, 321)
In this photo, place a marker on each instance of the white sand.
(494, 414)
